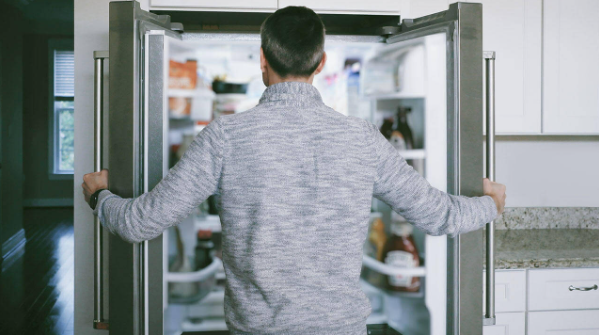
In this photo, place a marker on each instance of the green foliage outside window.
(66, 134)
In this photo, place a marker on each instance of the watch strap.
(93, 200)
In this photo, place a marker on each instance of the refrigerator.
(432, 65)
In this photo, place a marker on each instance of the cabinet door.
(555, 289)
(348, 6)
(570, 66)
(510, 290)
(585, 322)
(507, 324)
(221, 5)
(512, 28)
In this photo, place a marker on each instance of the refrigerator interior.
(364, 79)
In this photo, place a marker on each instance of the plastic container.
(205, 279)
(202, 105)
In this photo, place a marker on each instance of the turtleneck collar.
(292, 93)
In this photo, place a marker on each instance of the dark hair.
(293, 41)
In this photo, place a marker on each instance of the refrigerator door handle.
(489, 317)
(99, 57)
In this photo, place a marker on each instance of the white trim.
(48, 202)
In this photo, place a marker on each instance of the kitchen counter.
(546, 248)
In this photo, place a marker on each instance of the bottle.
(387, 127)
(403, 127)
(397, 141)
(204, 249)
(400, 252)
(181, 263)
(377, 239)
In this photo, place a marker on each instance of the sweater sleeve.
(410, 195)
(189, 183)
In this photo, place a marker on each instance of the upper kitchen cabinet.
(348, 6)
(570, 71)
(513, 29)
(384, 7)
(210, 5)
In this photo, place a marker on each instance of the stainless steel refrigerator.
(433, 65)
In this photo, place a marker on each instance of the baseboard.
(48, 202)
(12, 248)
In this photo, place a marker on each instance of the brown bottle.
(400, 251)
(376, 241)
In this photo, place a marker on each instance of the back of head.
(293, 41)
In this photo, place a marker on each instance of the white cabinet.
(348, 6)
(554, 306)
(570, 66)
(559, 289)
(510, 290)
(563, 323)
(221, 5)
(386, 7)
(507, 324)
(512, 28)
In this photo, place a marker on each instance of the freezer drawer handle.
(489, 318)
(574, 288)
(99, 57)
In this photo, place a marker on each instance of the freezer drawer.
(562, 289)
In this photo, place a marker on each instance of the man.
(295, 180)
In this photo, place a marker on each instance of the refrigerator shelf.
(208, 222)
(413, 154)
(396, 95)
(195, 93)
(195, 276)
(377, 266)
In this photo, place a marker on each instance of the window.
(62, 96)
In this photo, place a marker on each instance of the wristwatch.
(93, 200)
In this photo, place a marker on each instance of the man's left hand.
(94, 181)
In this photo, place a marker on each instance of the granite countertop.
(546, 248)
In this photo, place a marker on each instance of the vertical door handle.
(99, 57)
(489, 318)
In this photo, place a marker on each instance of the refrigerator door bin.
(202, 282)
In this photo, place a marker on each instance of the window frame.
(54, 172)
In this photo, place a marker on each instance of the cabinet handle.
(99, 57)
(489, 318)
(591, 288)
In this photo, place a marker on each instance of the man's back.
(296, 190)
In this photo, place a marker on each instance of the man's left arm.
(189, 183)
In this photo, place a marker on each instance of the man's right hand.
(495, 191)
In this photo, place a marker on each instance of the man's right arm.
(410, 195)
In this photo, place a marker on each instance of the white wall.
(541, 171)
(91, 33)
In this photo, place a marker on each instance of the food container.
(222, 87)
(182, 75)
(202, 104)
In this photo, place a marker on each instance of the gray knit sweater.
(295, 180)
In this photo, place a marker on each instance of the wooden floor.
(36, 290)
